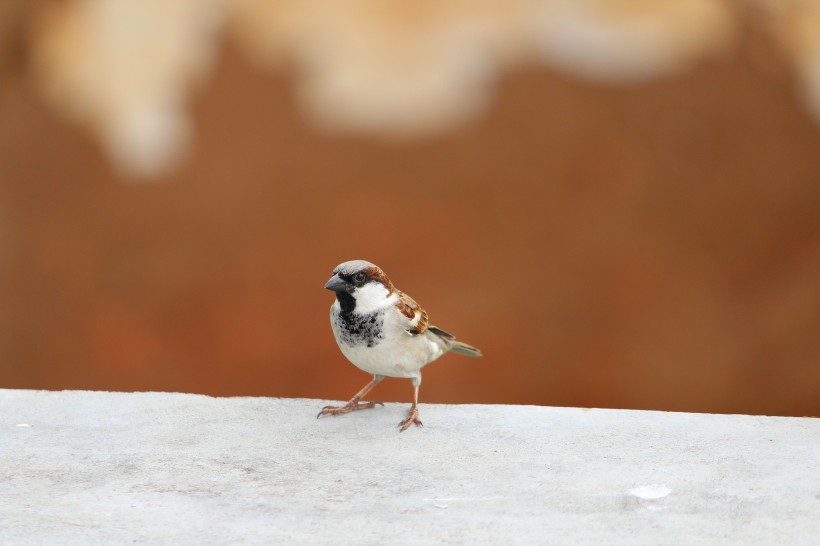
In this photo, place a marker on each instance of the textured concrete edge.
(402, 403)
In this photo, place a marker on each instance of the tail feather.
(455, 346)
(464, 349)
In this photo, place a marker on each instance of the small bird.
(383, 331)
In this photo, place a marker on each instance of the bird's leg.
(413, 416)
(354, 403)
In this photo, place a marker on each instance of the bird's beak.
(337, 284)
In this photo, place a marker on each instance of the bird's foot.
(411, 419)
(353, 405)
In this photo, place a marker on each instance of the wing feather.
(413, 311)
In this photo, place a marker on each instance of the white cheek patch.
(372, 297)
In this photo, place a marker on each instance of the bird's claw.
(353, 405)
(411, 419)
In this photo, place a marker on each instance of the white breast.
(397, 354)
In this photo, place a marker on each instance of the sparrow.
(383, 331)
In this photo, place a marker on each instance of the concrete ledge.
(113, 468)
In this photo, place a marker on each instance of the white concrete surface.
(156, 468)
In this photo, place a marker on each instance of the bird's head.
(360, 286)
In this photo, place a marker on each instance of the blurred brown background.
(650, 243)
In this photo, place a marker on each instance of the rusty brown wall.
(652, 246)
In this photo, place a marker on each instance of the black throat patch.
(346, 302)
(354, 329)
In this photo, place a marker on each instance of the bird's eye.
(359, 278)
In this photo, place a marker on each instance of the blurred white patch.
(147, 142)
(650, 492)
(631, 40)
(125, 68)
(395, 69)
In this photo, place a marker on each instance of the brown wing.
(413, 311)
